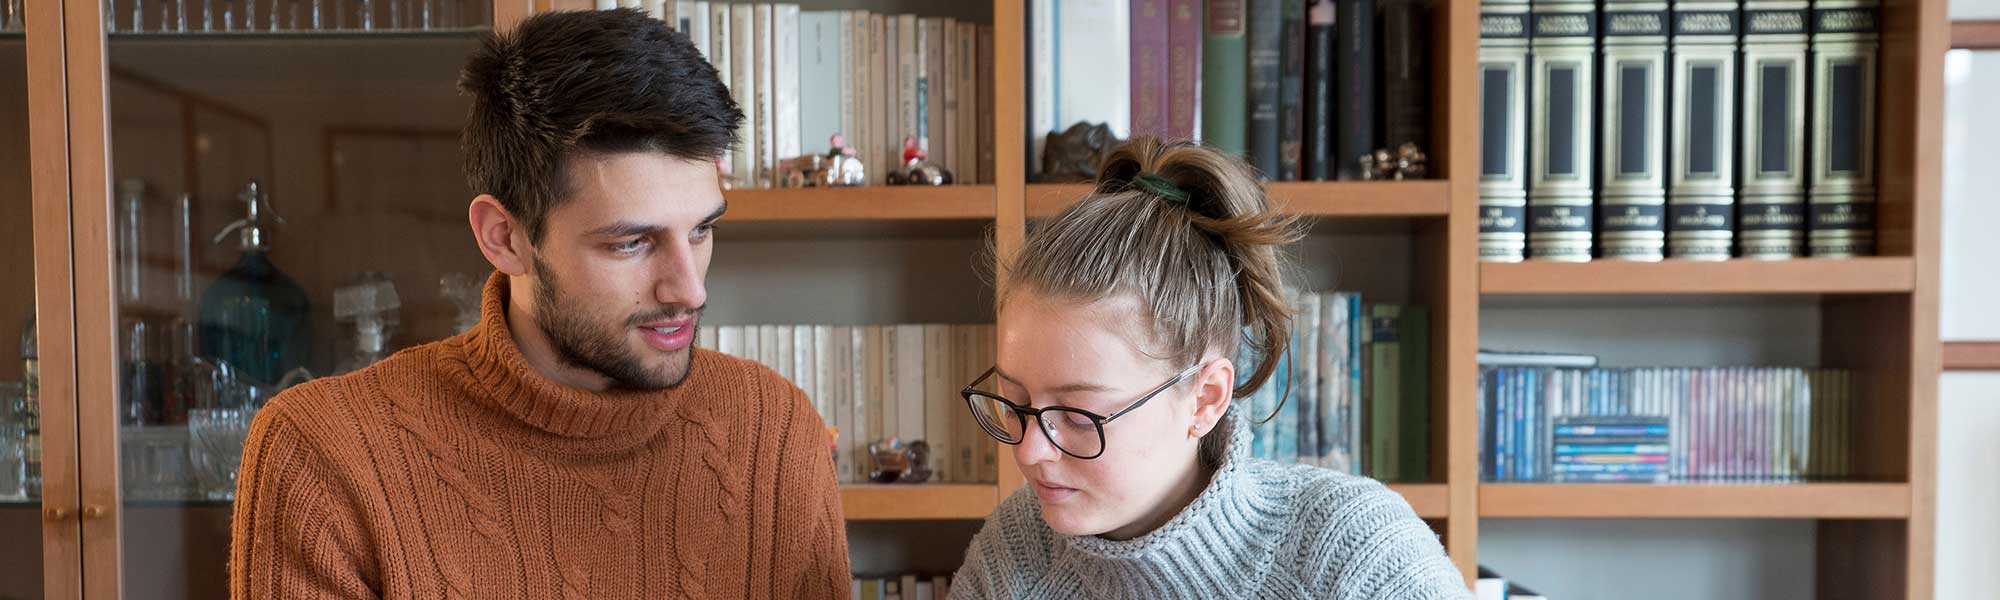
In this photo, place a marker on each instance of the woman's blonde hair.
(1186, 230)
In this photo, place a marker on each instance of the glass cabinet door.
(21, 514)
(286, 204)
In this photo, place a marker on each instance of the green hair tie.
(1159, 186)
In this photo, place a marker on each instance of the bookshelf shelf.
(1428, 198)
(1880, 275)
(1430, 500)
(1972, 356)
(1704, 501)
(890, 502)
(875, 203)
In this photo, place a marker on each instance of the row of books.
(905, 587)
(1761, 424)
(1617, 448)
(1354, 389)
(878, 80)
(1303, 89)
(880, 381)
(1696, 129)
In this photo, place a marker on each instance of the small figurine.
(838, 167)
(1410, 161)
(917, 168)
(897, 462)
(1407, 162)
(1073, 156)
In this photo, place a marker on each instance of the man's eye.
(704, 231)
(630, 246)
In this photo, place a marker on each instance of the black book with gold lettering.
(1701, 196)
(1562, 51)
(1771, 203)
(1632, 198)
(1841, 219)
(1503, 125)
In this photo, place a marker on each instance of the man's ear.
(501, 238)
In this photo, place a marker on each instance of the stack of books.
(1728, 424)
(1302, 89)
(881, 381)
(1352, 394)
(1622, 449)
(876, 79)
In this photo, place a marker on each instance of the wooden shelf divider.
(1705, 501)
(1874, 275)
(902, 502)
(1972, 356)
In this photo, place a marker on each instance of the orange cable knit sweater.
(454, 470)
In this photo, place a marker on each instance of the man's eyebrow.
(625, 228)
(629, 228)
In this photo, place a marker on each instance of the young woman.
(1117, 323)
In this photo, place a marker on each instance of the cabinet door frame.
(49, 175)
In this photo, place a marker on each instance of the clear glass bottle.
(254, 317)
(371, 304)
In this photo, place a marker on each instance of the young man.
(575, 444)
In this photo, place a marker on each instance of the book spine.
(888, 143)
(1413, 330)
(944, 142)
(852, 76)
(910, 407)
(1305, 385)
(1563, 54)
(818, 68)
(930, 89)
(986, 106)
(1320, 101)
(1042, 80)
(1224, 54)
(881, 398)
(743, 86)
(966, 132)
(910, 81)
(1149, 67)
(694, 22)
(858, 404)
(1771, 204)
(939, 370)
(1291, 92)
(1183, 68)
(1266, 40)
(1405, 72)
(766, 93)
(1842, 196)
(1503, 125)
(873, 97)
(1354, 68)
(1701, 197)
(785, 45)
(1632, 209)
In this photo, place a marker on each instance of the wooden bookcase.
(1879, 314)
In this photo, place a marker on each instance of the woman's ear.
(1212, 394)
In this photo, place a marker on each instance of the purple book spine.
(1149, 67)
(1183, 67)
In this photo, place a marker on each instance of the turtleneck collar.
(1229, 503)
(491, 367)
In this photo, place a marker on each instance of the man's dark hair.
(569, 84)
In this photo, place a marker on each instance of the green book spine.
(1384, 383)
(1414, 333)
(1224, 61)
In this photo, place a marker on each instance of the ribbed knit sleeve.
(811, 549)
(294, 537)
(1370, 545)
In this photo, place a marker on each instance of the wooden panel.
(1458, 46)
(1971, 356)
(96, 314)
(1863, 560)
(1975, 35)
(507, 13)
(1315, 198)
(888, 203)
(1697, 501)
(908, 502)
(55, 317)
(1802, 276)
(1009, 164)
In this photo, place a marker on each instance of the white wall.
(1968, 476)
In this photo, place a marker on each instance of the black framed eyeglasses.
(1074, 431)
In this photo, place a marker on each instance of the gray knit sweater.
(1260, 530)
